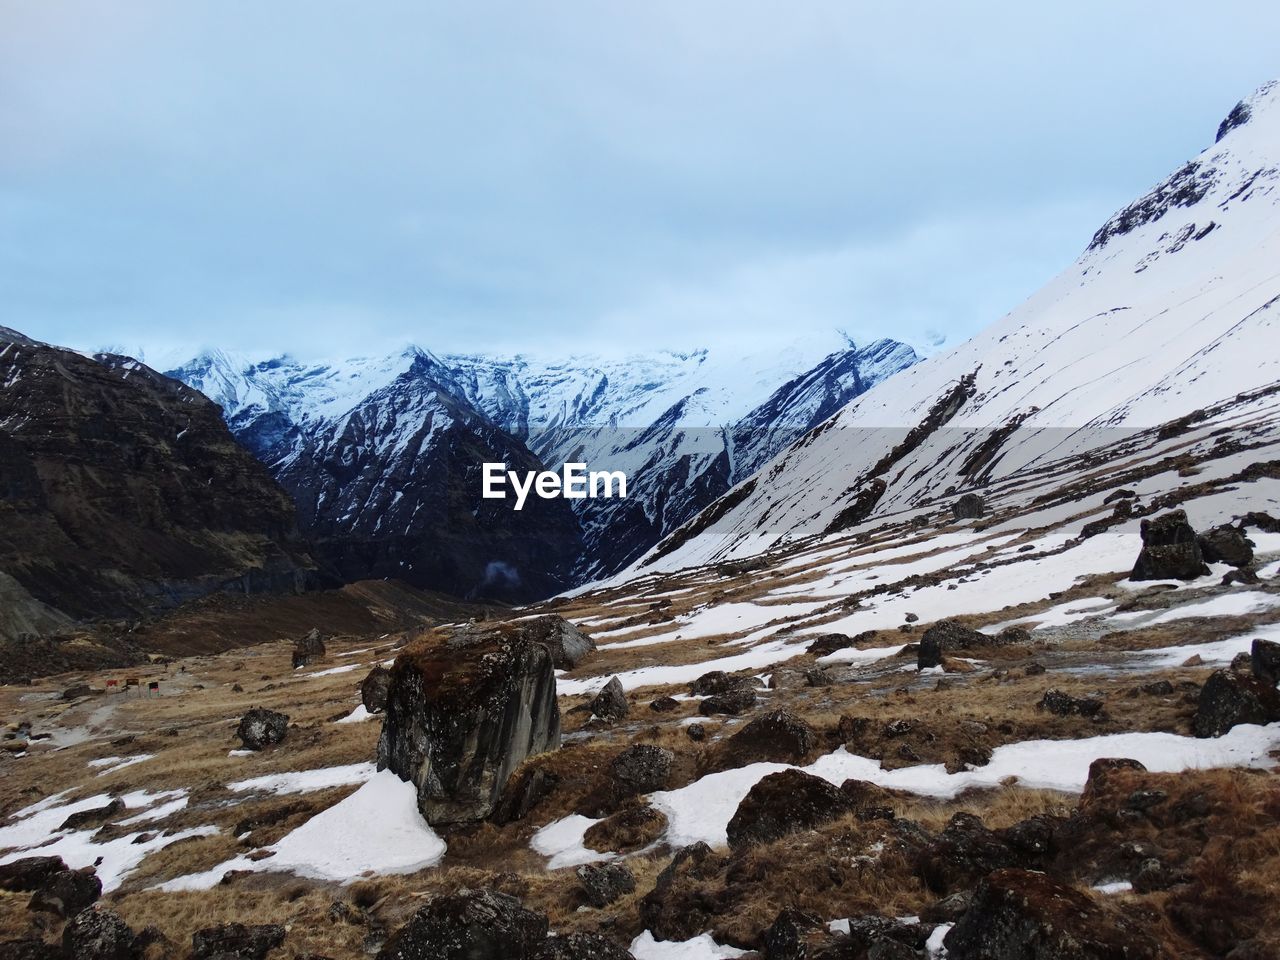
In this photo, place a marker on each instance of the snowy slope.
(1173, 306)
(683, 426)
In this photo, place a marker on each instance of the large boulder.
(716, 682)
(1021, 915)
(568, 644)
(945, 637)
(97, 935)
(633, 826)
(1228, 699)
(1063, 704)
(1170, 550)
(374, 689)
(603, 883)
(29, 873)
(786, 802)
(1264, 660)
(966, 851)
(469, 925)
(581, 946)
(640, 768)
(733, 701)
(1226, 544)
(970, 506)
(67, 893)
(308, 650)
(776, 737)
(261, 728)
(611, 702)
(236, 941)
(462, 712)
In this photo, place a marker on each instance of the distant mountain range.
(382, 455)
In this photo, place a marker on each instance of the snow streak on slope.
(1173, 307)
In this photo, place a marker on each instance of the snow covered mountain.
(1172, 307)
(354, 442)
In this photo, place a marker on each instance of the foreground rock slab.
(469, 925)
(462, 712)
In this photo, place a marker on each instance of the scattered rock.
(76, 692)
(1264, 657)
(1013, 635)
(638, 769)
(1241, 664)
(469, 925)
(1245, 575)
(829, 643)
(969, 507)
(1019, 914)
(664, 705)
(945, 637)
(603, 883)
(1170, 550)
(1100, 770)
(98, 935)
(784, 938)
(67, 893)
(308, 650)
(783, 803)
(236, 940)
(966, 851)
(733, 701)
(1033, 669)
(1226, 544)
(30, 950)
(611, 702)
(261, 728)
(1228, 699)
(29, 873)
(581, 946)
(374, 689)
(775, 737)
(462, 714)
(949, 909)
(95, 816)
(696, 732)
(1064, 705)
(1157, 688)
(817, 677)
(717, 682)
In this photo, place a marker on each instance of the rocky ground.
(967, 731)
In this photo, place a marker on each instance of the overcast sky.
(337, 178)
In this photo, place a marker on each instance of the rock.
(1101, 769)
(883, 938)
(308, 650)
(1021, 915)
(95, 816)
(966, 851)
(817, 677)
(946, 637)
(640, 768)
(784, 938)
(969, 507)
(98, 935)
(1013, 635)
(603, 883)
(236, 940)
(1264, 657)
(717, 682)
(1152, 875)
(76, 692)
(569, 646)
(775, 737)
(1157, 688)
(733, 701)
(67, 893)
(611, 702)
(829, 643)
(581, 946)
(1033, 669)
(949, 909)
(462, 714)
(1170, 550)
(696, 732)
(1241, 664)
(261, 728)
(681, 905)
(374, 689)
(634, 826)
(1244, 575)
(469, 925)
(783, 803)
(1228, 699)
(1064, 705)
(29, 873)
(664, 705)
(1261, 521)
(1226, 544)
(524, 791)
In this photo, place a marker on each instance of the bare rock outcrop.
(469, 925)
(374, 689)
(462, 712)
(309, 649)
(1228, 699)
(1170, 550)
